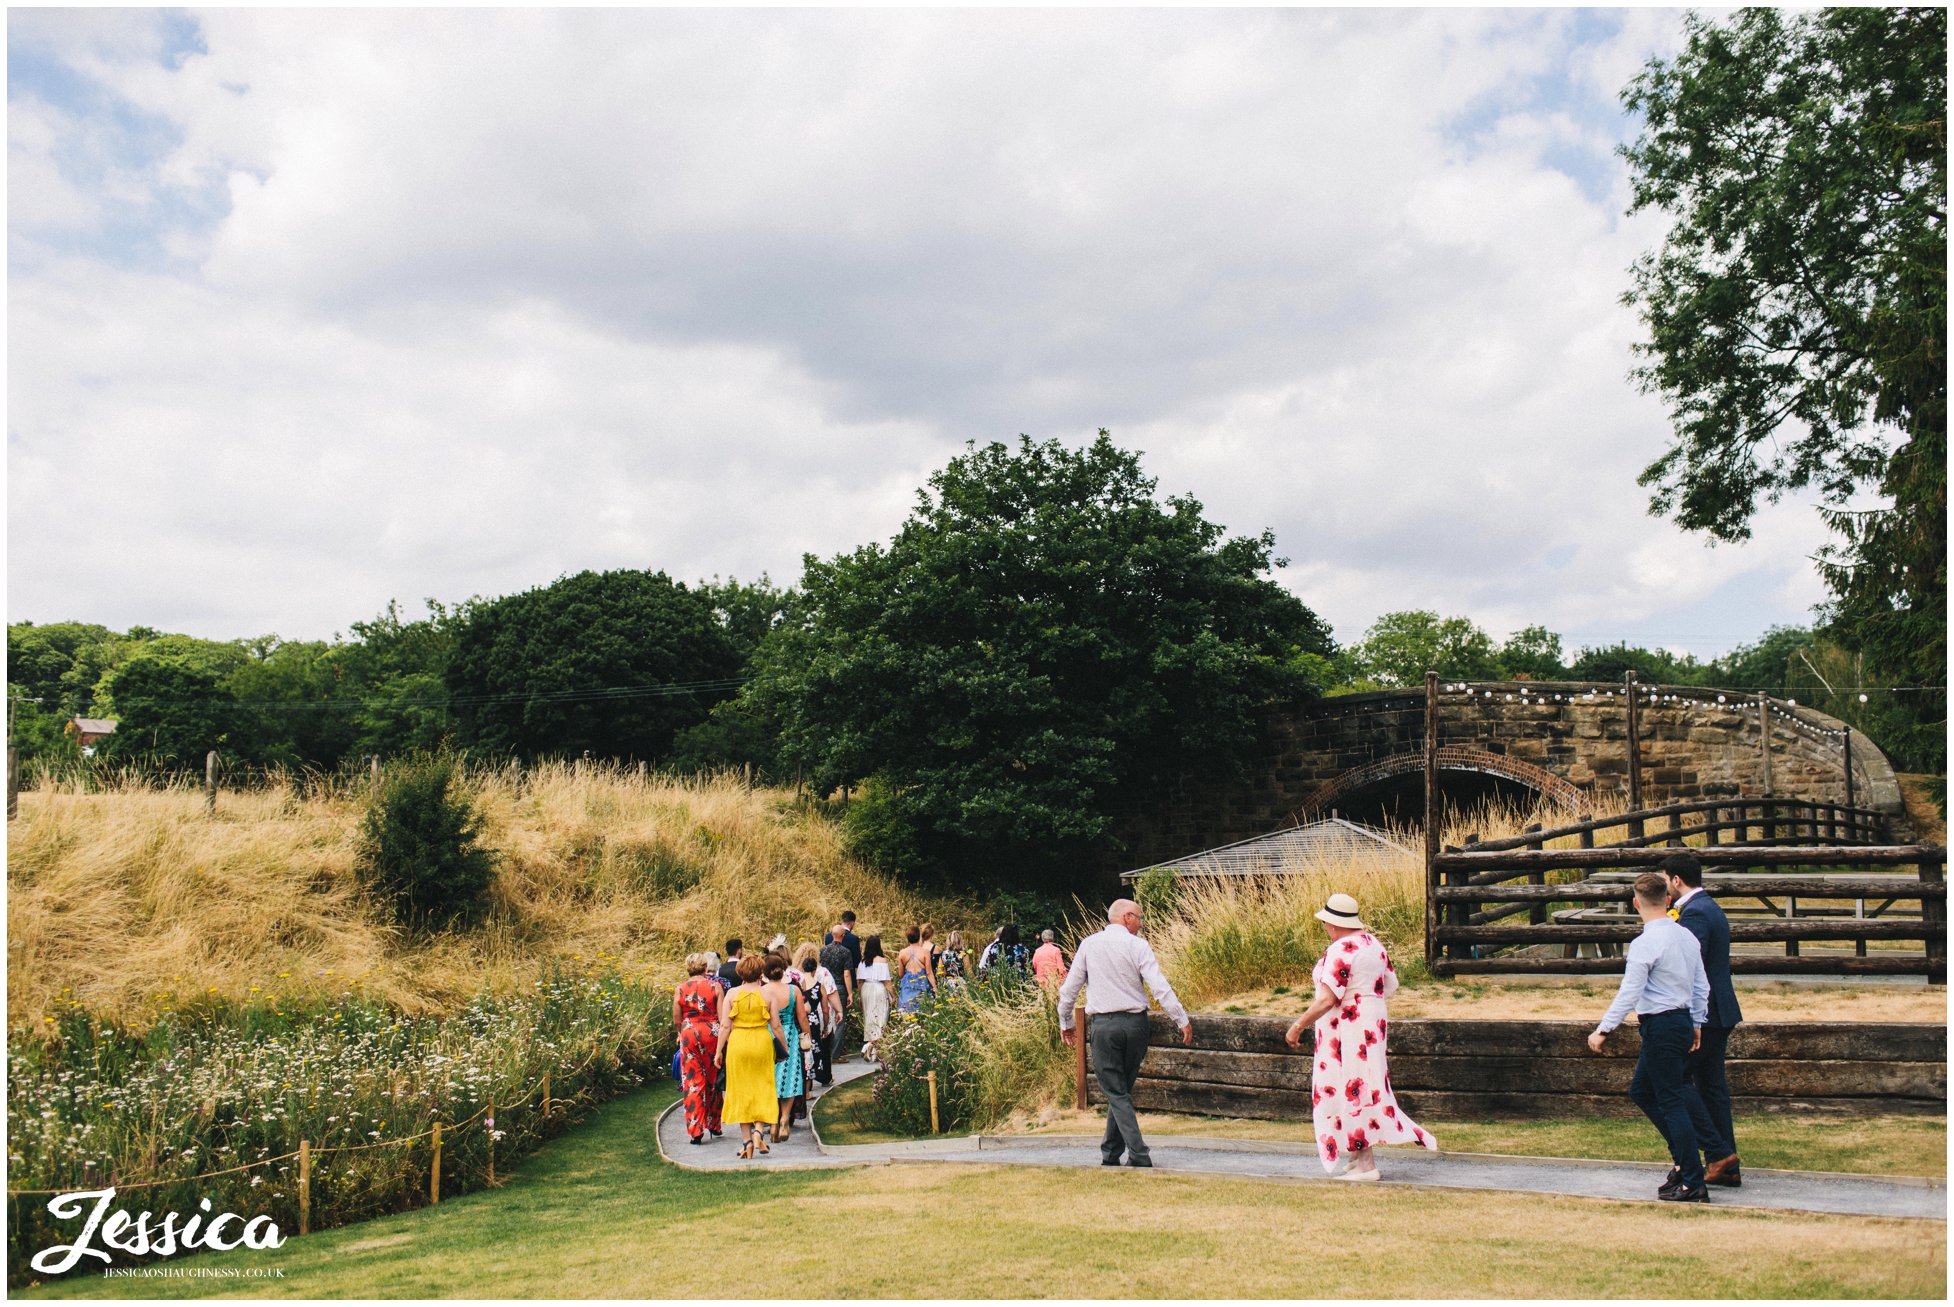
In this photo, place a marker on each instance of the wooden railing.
(1721, 821)
(1562, 891)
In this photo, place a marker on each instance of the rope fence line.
(439, 1127)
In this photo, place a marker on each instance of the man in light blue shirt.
(1667, 989)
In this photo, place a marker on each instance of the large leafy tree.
(1797, 311)
(1042, 641)
(1399, 648)
(613, 662)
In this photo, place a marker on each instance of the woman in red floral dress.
(1350, 1090)
(695, 1007)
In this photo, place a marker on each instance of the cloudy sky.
(310, 310)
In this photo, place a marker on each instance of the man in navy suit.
(1709, 1096)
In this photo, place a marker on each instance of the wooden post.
(374, 770)
(546, 1095)
(491, 1141)
(1848, 768)
(1431, 822)
(305, 1186)
(517, 793)
(13, 766)
(210, 782)
(1933, 914)
(1079, 1056)
(935, 1126)
(1634, 755)
(434, 1176)
(1764, 737)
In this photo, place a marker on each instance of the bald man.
(1118, 968)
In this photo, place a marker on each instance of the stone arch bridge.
(1362, 755)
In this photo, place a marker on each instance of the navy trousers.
(1660, 1088)
(1709, 1096)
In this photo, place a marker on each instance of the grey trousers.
(1119, 1045)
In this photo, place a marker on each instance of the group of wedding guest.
(756, 1028)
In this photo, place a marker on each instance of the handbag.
(779, 1050)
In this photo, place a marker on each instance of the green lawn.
(597, 1214)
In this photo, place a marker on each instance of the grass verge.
(597, 1215)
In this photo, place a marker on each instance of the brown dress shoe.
(1725, 1171)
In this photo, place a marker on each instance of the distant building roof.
(94, 725)
(1286, 852)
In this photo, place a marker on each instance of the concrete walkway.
(1795, 1191)
(799, 1151)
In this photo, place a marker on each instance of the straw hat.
(1341, 910)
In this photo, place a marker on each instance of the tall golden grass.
(126, 902)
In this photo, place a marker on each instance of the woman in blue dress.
(914, 980)
(789, 1075)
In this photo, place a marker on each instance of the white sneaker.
(1357, 1175)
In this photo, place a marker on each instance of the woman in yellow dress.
(752, 1024)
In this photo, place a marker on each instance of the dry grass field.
(133, 900)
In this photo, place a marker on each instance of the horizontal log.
(1722, 855)
(1777, 1078)
(1248, 1070)
(1847, 928)
(1500, 914)
(1746, 964)
(1901, 1041)
(1778, 808)
(1895, 887)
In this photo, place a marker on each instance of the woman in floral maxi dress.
(1353, 1107)
(695, 1010)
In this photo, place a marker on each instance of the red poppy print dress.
(1350, 1089)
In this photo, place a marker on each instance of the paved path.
(800, 1150)
(1798, 1191)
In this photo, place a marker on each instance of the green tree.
(1041, 642)
(1533, 652)
(1612, 662)
(1797, 311)
(170, 710)
(394, 673)
(614, 662)
(1399, 648)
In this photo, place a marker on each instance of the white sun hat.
(1341, 910)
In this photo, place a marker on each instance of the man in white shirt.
(1665, 986)
(1118, 968)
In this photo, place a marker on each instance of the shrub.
(993, 1044)
(420, 846)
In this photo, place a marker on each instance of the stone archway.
(1451, 757)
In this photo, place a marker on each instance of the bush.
(419, 846)
(993, 1044)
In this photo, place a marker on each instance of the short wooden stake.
(491, 1141)
(374, 771)
(1079, 1056)
(546, 1095)
(210, 782)
(434, 1177)
(934, 1126)
(305, 1186)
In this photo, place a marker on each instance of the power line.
(597, 694)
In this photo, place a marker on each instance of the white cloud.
(500, 294)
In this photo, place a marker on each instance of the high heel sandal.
(746, 1149)
(761, 1140)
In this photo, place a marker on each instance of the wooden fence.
(1466, 1070)
(1789, 871)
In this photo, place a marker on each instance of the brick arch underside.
(1454, 758)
